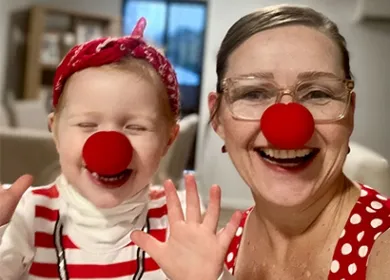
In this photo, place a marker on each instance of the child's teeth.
(109, 179)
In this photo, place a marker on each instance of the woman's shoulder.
(370, 216)
(368, 222)
(378, 205)
(373, 199)
(378, 265)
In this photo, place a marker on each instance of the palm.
(9, 198)
(193, 249)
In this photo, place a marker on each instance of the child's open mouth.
(288, 158)
(111, 181)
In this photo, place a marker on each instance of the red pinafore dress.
(369, 218)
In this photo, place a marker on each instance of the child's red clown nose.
(107, 153)
(287, 126)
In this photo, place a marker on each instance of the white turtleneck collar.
(100, 230)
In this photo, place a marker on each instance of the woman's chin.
(294, 193)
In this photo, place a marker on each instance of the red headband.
(103, 51)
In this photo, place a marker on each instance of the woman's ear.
(353, 101)
(353, 107)
(215, 119)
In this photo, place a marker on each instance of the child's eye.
(135, 127)
(87, 125)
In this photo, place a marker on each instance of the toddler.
(116, 106)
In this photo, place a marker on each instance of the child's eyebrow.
(95, 114)
(83, 113)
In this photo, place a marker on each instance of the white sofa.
(368, 167)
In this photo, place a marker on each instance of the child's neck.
(96, 229)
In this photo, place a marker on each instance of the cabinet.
(40, 37)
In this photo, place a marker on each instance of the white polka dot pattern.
(359, 236)
(363, 251)
(335, 266)
(355, 219)
(369, 218)
(346, 249)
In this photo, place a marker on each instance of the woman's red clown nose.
(287, 126)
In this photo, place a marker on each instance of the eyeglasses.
(326, 96)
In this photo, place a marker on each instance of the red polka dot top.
(369, 218)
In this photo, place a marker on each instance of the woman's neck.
(286, 224)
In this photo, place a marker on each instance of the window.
(178, 27)
(154, 11)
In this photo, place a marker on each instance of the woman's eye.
(317, 94)
(255, 95)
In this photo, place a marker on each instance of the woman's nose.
(287, 126)
(107, 152)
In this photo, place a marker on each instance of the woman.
(309, 221)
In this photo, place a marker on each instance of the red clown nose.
(287, 126)
(107, 153)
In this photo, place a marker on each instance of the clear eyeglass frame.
(227, 84)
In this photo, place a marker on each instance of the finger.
(148, 243)
(226, 235)
(192, 200)
(213, 209)
(19, 187)
(175, 211)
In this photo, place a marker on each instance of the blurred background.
(36, 34)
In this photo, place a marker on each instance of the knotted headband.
(103, 51)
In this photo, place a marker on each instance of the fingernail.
(188, 172)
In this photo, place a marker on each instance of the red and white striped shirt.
(29, 248)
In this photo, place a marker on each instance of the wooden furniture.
(48, 33)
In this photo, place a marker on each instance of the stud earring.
(223, 149)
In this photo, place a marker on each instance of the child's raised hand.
(9, 198)
(193, 250)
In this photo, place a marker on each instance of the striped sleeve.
(16, 246)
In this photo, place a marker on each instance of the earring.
(223, 149)
(349, 150)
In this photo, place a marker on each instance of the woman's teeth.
(108, 179)
(287, 158)
(286, 154)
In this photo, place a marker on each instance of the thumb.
(9, 198)
(148, 243)
(20, 186)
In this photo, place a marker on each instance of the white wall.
(103, 7)
(369, 45)
(374, 9)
